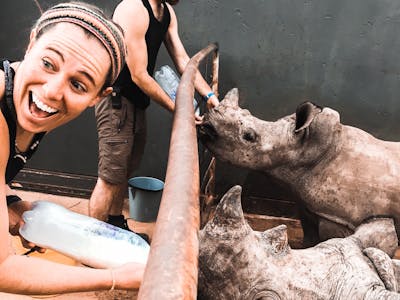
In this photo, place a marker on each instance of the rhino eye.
(250, 135)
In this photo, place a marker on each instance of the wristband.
(12, 199)
(208, 96)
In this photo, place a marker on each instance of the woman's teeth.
(42, 106)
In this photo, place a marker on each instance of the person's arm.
(16, 206)
(29, 275)
(180, 58)
(132, 16)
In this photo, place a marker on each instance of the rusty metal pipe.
(215, 68)
(171, 271)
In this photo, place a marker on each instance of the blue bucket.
(144, 198)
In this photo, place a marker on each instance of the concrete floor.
(81, 206)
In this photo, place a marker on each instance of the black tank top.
(16, 161)
(154, 37)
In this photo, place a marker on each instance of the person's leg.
(115, 216)
(139, 142)
(115, 131)
(106, 199)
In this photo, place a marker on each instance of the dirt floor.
(81, 206)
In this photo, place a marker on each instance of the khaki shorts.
(122, 138)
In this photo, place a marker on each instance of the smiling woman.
(74, 55)
(59, 78)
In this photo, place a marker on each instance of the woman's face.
(61, 75)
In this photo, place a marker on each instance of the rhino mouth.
(207, 131)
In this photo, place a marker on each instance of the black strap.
(9, 76)
(9, 82)
(12, 199)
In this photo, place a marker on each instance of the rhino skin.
(236, 262)
(343, 175)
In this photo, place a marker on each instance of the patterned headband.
(109, 34)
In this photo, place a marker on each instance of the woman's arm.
(29, 275)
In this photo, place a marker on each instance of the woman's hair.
(92, 20)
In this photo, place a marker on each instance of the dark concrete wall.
(343, 54)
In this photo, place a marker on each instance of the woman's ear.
(104, 93)
(107, 91)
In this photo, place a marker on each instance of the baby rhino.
(342, 174)
(236, 262)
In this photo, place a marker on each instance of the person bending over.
(121, 118)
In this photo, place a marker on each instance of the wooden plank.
(270, 207)
(295, 231)
(262, 222)
(57, 183)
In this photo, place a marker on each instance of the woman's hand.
(15, 212)
(128, 276)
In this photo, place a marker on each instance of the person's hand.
(212, 102)
(198, 120)
(31, 246)
(129, 276)
(15, 212)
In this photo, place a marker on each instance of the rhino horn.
(276, 239)
(232, 98)
(305, 114)
(229, 220)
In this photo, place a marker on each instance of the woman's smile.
(38, 108)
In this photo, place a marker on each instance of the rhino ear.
(228, 220)
(232, 98)
(384, 266)
(276, 238)
(305, 114)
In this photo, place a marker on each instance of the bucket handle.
(133, 192)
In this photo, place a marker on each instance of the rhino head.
(342, 175)
(236, 262)
(229, 248)
(234, 135)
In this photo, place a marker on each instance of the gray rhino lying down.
(342, 174)
(236, 262)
